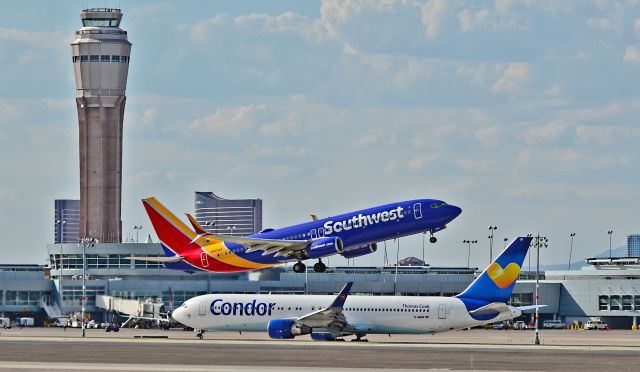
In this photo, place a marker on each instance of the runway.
(181, 352)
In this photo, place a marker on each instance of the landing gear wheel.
(299, 267)
(319, 267)
(200, 334)
(433, 239)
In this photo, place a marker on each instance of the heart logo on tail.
(503, 278)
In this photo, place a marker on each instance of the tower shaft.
(101, 54)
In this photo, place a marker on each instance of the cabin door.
(417, 211)
(442, 311)
(204, 258)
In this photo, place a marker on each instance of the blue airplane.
(349, 235)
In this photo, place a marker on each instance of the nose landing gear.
(432, 239)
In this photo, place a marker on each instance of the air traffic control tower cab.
(100, 54)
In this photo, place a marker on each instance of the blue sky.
(525, 114)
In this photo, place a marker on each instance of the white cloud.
(469, 21)
(375, 137)
(420, 162)
(234, 121)
(602, 135)
(42, 39)
(636, 27)
(432, 14)
(632, 54)
(488, 136)
(514, 76)
(542, 135)
(287, 126)
(475, 165)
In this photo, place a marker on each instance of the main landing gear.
(319, 267)
(299, 267)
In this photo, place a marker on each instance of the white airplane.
(328, 317)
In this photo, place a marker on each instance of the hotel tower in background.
(101, 62)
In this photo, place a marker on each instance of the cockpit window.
(184, 305)
(438, 204)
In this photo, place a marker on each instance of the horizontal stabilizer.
(196, 226)
(530, 308)
(156, 259)
(492, 308)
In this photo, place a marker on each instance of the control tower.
(101, 62)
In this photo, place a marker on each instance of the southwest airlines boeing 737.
(328, 317)
(350, 235)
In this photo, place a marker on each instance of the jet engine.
(359, 251)
(324, 247)
(284, 329)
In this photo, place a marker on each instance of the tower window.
(94, 58)
(124, 59)
(104, 58)
(84, 58)
(115, 58)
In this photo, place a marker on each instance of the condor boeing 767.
(328, 317)
(350, 235)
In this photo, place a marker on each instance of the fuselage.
(368, 314)
(355, 229)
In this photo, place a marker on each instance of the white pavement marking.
(41, 366)
(329, 344)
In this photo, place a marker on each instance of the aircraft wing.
(330, 317)
(156, 259)
(268, 246)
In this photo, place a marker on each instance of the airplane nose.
(178, 315)
(455, 211)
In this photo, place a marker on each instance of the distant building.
(66, 221)
(633, 245)
(228, 216)
(411, 261)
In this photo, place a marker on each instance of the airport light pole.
(85, 242)
(505, 243)
(61, 223)
(610, 232)
(395, 279)
(572, 235)
(491, 229)
(469, 252)
(137, 228)
(423, 236)
(538, 242)
(231, 229)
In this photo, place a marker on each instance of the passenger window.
(320, 232)
(313, 234)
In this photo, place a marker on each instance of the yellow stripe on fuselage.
(219, 251)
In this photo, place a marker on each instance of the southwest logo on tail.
(330, 317)
(350, 235)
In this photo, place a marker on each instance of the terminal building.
(606, 290)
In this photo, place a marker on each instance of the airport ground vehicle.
(499, 325)
(329, 317)
(520, 325)
(553, 324)
(595, 324)
(5, 323)
(25, 322)
(350, 235)
(62, 322)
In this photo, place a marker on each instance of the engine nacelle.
(322, 336)
(362, 250)
(283, 329)
(325, 247)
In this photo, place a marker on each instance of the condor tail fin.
(496, 282)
